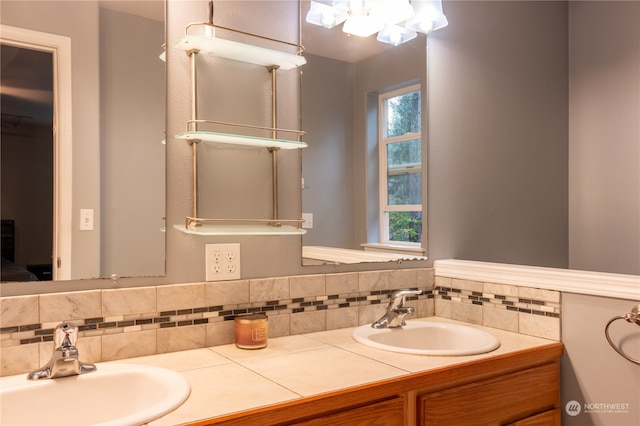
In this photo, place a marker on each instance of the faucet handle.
(398, 297)
(403, 293)
(65, 335)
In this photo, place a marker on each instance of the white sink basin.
(428, 338)
(116, 394)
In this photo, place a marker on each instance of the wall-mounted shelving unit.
(251, 227)
(222, 48)
(240, 140)
(273, 60)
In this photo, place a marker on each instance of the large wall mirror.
(89, 202)
(340, 85)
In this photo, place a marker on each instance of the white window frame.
(383, 141)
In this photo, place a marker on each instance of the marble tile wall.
(124, 323)
(523, 310)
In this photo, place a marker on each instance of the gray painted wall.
(591, 371)
(327, 164)
(604, 136)
(498, 133)
(132, 124)
(604, 206)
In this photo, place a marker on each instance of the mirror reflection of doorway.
(27, 163)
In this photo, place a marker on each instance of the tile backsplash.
(125, 323)
(519, 309)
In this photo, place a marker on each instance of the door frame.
(60, 47)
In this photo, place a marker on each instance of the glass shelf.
(240, 52)
(229, 139)
(240, 229)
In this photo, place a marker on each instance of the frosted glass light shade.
(428, 17)
(325, 16)
(392, 11)
(362, 26)
(366, 17)
(395, 35)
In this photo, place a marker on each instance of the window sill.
(394, 248)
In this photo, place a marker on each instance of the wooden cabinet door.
(386, 413)
(497, 401)
(548, 418)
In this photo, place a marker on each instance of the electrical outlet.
(222, 262)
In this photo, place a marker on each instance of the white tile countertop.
(225, 379)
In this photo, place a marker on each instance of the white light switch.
(308, 220)
(86, 219)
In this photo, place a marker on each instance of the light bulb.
(328, 20)
(395, 39)
(426, 27)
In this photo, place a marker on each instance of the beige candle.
(252, 331)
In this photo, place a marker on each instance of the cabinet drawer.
(495, 401)
(548, 418)
(386, 413)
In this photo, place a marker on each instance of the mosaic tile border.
(510, 303)
(43, 332)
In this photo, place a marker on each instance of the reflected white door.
(60, 49)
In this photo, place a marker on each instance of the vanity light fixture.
(326, 15)
(428, 17)
(395, 21)
(395, 34)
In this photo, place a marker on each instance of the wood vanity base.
(519, 388)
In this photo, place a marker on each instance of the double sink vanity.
(473, 375)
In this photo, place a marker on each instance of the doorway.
(27, 161)
(36, 154)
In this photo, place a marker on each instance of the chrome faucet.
(396, 311)
(64, 361)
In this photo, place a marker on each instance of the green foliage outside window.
(405, 226)
(404, 187)
(403, 114)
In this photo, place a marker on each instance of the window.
(400, 145)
